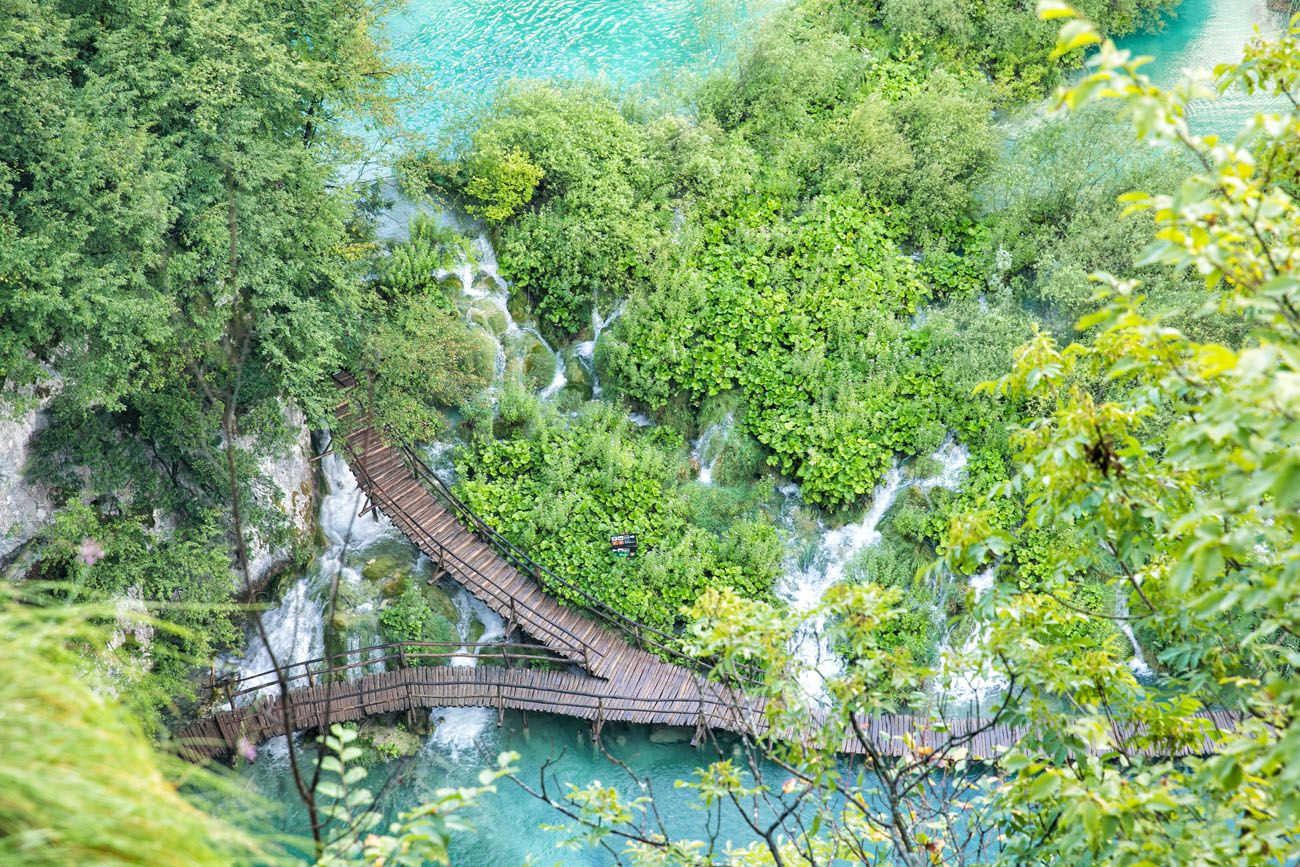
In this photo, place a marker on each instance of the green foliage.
(183, 578)
(426, 359)
(81, 782)
(502, 182)
(559, 489)
(418, 837)
(407, 272)
(410, 617)
(1176, 483)
(574, 175)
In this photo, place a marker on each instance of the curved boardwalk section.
(596, 665)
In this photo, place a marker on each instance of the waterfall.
(703, 452)
(803, 587)
(967, 687)
(295, 629)
(458, 729)
(587, 349)
(1137, 662)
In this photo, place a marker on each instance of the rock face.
(24, 508)
(294, 479)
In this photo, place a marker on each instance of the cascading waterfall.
(1137, 662)
(707, 450)
(295, 629)
(803, 587)
(485, 290)
(586, 350)
(458, 729)
(970, 686)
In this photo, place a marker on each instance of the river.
(467, 49)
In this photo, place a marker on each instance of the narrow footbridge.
(580, 659)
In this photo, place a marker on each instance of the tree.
(1162, 466)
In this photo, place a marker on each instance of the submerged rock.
(671, 734)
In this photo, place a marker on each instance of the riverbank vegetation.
(858, 245)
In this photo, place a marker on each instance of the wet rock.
(579, 381)
(24, 508)
(388, 741)
(517, 304)
(671, 735)
(487, 314)
(293, 476)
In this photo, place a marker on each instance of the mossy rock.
(385, 567)
(440, 602)
(451, 285)
(381, 742)
(579, 381)
(530, 358)
(485, 352)
(517, 304)
(487, 314)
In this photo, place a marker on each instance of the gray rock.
(24, 508)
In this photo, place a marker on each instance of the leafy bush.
(561, 488)
(409, 617)
(426, 359)
(502, 182)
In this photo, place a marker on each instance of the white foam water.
(1137, 662)
(707, 450)
(586, 350)
(804, 587)
(295, 628)
(967, 684)
(459, 731)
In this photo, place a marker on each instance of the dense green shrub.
(500, 183)
(560, 488)
(409, 616)
(181, 577)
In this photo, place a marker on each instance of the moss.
(385, 567)
(489, 315)
(538, 363)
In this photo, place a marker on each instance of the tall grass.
(80, 781)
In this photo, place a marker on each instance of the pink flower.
(246, 749)
(90, 552)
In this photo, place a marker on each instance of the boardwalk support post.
(501, 707)
(598, 723)
(701, 728)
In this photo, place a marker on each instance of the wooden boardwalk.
(610, 673)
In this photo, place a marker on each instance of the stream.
(465, 50)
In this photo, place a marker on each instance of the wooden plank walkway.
(609, 679)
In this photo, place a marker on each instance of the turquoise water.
(509, 823)
(1203, 34)
(466, 50)
(463, 51)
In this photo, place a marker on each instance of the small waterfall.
(559, 379)
(587, 349)
(295, 628)
(295, 632)
(968, 687)
(1137, 662)
(705, 454)
(804, 586)
(459, 729)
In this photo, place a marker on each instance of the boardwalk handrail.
(323, 669)
(638, 632)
